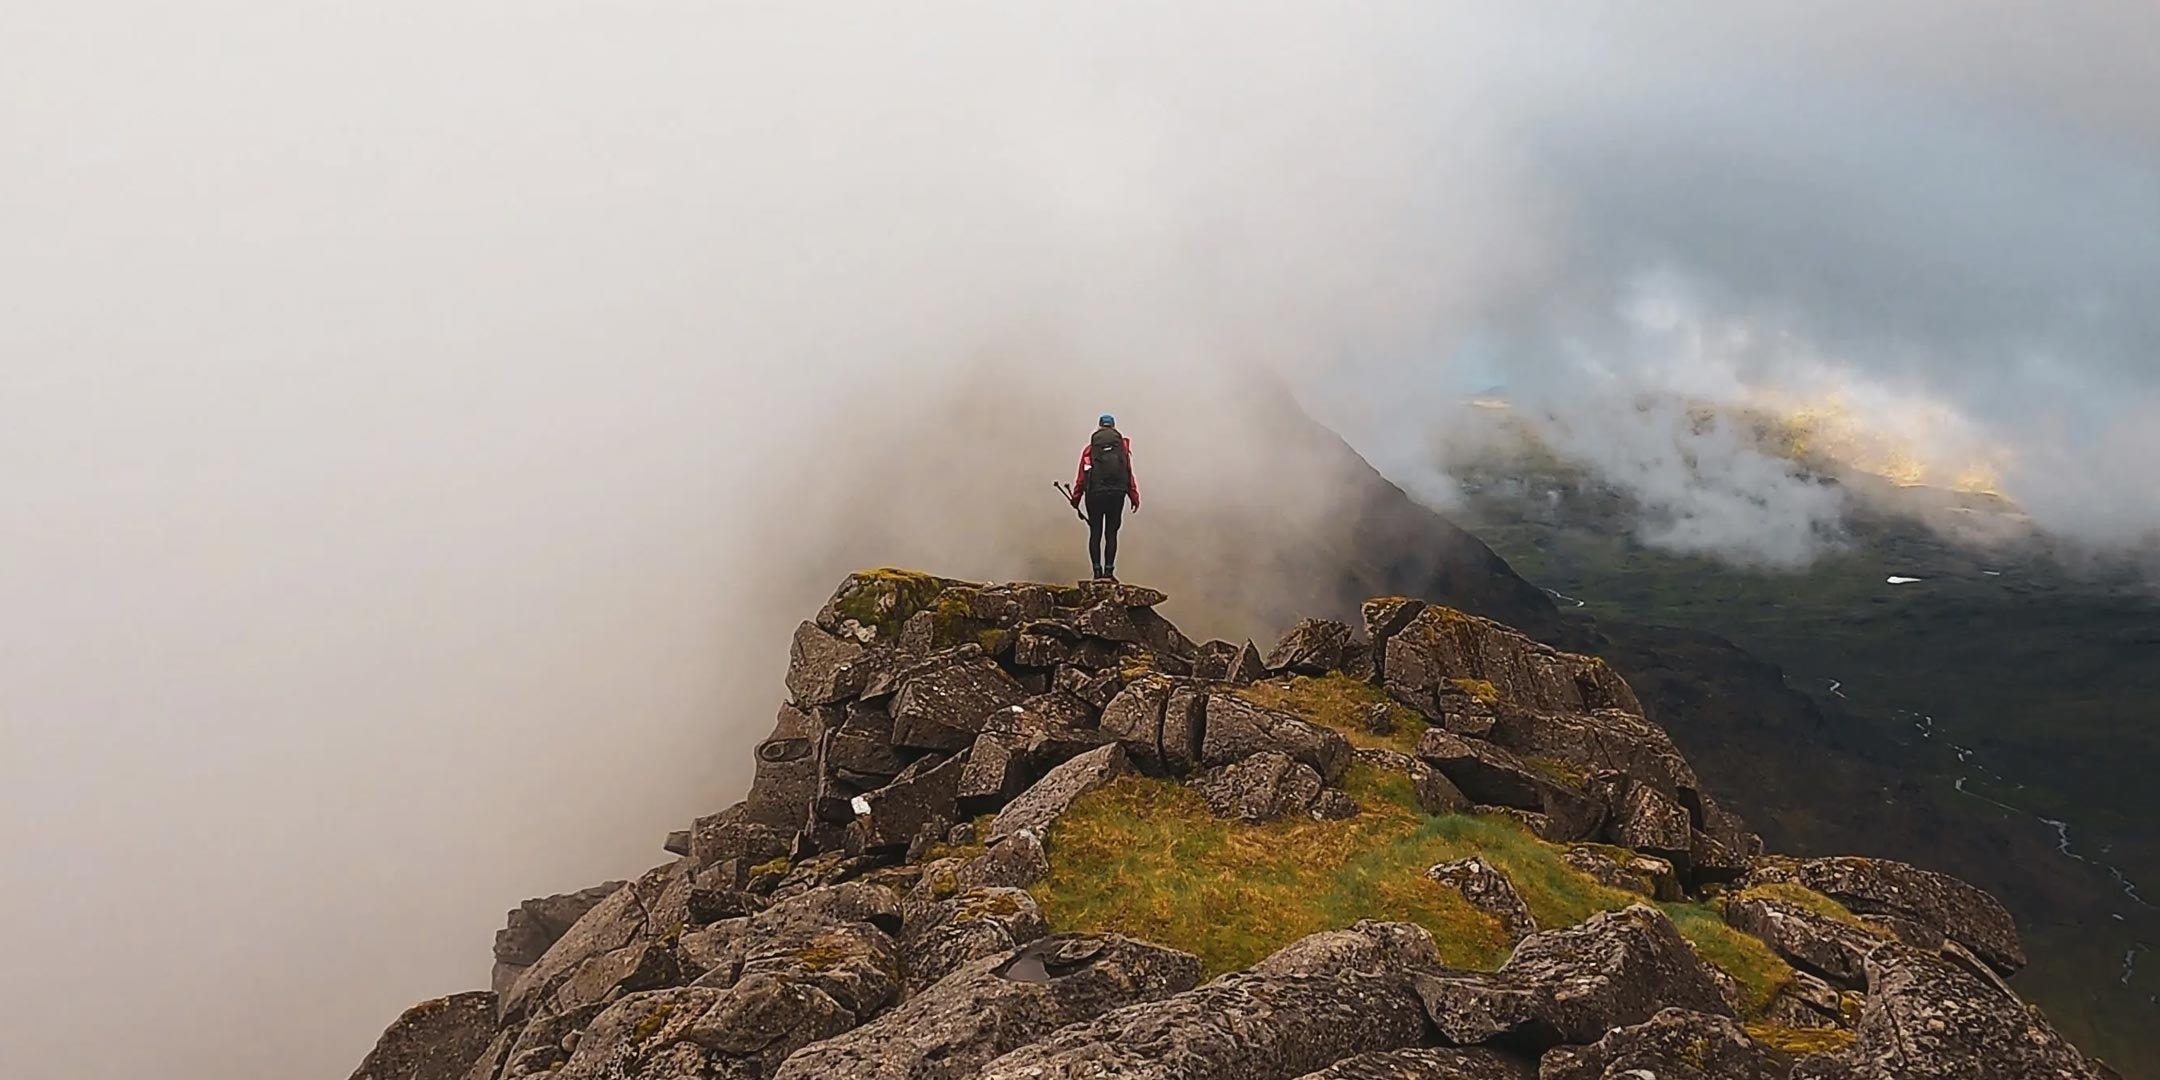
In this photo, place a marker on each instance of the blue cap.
(1109, 420)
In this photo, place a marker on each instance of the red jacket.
(1087, 461)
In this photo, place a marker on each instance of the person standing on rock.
(1105, 481)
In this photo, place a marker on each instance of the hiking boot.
(1109, 573)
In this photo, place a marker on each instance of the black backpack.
(1108, 470)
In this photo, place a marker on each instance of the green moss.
(780, 865)
(885, 598)
(828, 951)
(1338, 701)
(653, 1022)
(984, 904)
(1801, 1041)
(1481, 689)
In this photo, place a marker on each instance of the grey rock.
(730, 834)
(1673, 1045)
(1312, 647)
(1440, 645)
(654, 906)
(947, 934)
(787, 771)
(1055, 793)
(1489, 891)
(1574, 984)
(996, 1004)
(944, 708)
(1367, 948)
(1236, 729)
(434, 1040)
(1831, 949)
(1212, 661)
(1242, 1026)
(1648, 821)
(894, 815)
(1957, 910)
(536, 924)
(1108, 622)
(1428, 1063)
(742, 1032)
(1436, 794)
(997, 769)
(1183, 726)
(822, 668)
(861, 743)
(1263, 787)
(1247, 667)
(1135, 717)
(1332, 804)
(1637, 873)
(1926, 1018)
(1485, 772)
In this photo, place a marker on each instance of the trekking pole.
(1068, 493)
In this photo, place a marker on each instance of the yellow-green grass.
(1143, 857)
(1338, 701)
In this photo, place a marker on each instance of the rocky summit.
(1034, 832)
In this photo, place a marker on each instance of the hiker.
(1105, 481)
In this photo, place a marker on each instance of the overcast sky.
(422, 422)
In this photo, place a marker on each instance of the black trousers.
(1105, 510)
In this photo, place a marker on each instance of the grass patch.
(1338, 701)
(884, 598)
(1142, 857)
(1760, 972)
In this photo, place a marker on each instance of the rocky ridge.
(865, 912)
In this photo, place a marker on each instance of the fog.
(422, 423)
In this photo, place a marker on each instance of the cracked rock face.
(1055, 793)
(1940, 902)
(1673, 1045)
(434, 1040)
(1263, 787)
(995, 1004)
(1926, 1018)
(1489, 891)
(1429, 1063)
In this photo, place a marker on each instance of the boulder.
(871, 606)
(1135, 717)
(1312, 647)
(1572, 985)
(1622, 869)
(1439, 646)
(944, 708)
(1088, 594)
(1212, 661)
(1367, 948)
(860, 745)
(535, 925)
(1928, 1019)
(434, 1040)
(1833, 950)
(997, 769)
(1648, 821)
(995, 1004)
(1243, 1026)
(611, 938)
(1673, 1045)
(1951, 907)
(1263, 787)
(745, 1030)
(944, 935)
(1489, 891)
(1427, 1063)
(1108, 622)
(1236, 729)
(1055, 793)
(1485, 773)
(822, 668)
(894, 815)
(1247, 667)
(1436, 794)
(787, 771)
